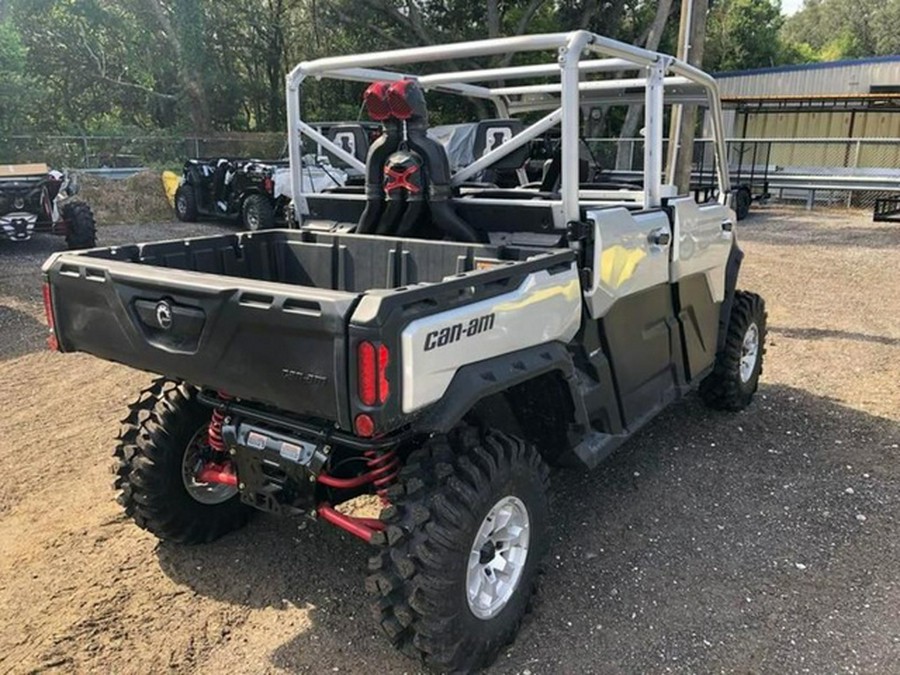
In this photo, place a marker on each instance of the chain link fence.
(852, 172)
(155, 151)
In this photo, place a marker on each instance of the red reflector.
(52, 342)
(365, 427)
(367, 375)
(48, 306)
(384, 387)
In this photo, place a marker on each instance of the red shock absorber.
(215, 425)
(383, 469)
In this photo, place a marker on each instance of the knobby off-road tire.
(445, 493)
(257, 213)
(186, 204)
(166, 422)
(81, 230)
(735, 376)
(742, 202)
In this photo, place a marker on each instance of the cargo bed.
(266, 316)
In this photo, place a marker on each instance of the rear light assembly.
(52, 342)
(372, 363)
(367, 373)
(373, 386)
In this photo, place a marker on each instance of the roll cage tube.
(666, 79)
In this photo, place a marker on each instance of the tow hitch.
(279, 472)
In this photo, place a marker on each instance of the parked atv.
(230, 188)
(35, 199)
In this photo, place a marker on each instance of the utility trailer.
(429, 338)
(887, 210)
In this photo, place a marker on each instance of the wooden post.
(691, 36)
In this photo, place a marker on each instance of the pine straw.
(138, 199)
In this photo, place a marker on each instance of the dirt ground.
(766, 541)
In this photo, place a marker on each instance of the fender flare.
(477, 381)
(732, 270)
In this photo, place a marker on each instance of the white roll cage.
(663, 76)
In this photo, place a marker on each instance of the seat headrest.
(491, 134)
(352, 138)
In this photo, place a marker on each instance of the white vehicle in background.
(428, 337)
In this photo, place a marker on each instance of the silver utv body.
(642, 241)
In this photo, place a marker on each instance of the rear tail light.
(368, 373)
(52, 342)
(384, 387)
(372, 363)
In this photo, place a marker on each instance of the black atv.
(231, 188)
(35, 199)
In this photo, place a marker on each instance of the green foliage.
(118, 66)
(845, 29)
(17, 89)
(743, 34)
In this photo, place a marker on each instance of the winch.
(277, 471)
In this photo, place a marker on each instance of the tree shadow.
(828, 334)
(709, 541)
(20, 333)
(40, 244)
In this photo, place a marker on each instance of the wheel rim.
(252, 217)
(194, 457)
(749, 352)
(497, 558)
(181, 203)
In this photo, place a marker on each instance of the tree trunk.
(681, 168)
(493, 18)
(188, 73)
(624, 151)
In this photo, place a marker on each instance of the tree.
(16, 88)
(743, 34)
(195, 65)
(634, 114)
(841, 29)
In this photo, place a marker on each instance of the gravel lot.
(766, 541)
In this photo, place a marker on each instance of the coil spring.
(384, 467)
(214, 433)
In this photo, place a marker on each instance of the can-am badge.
(164, 314)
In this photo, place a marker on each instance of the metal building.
(838, 99)
(826, 130)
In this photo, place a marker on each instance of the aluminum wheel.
(194, 457)
(497, 558)
(749, 352)
(253, 219)
(181, 204)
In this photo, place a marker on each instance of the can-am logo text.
(458, 331)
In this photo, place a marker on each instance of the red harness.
(400, 180)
